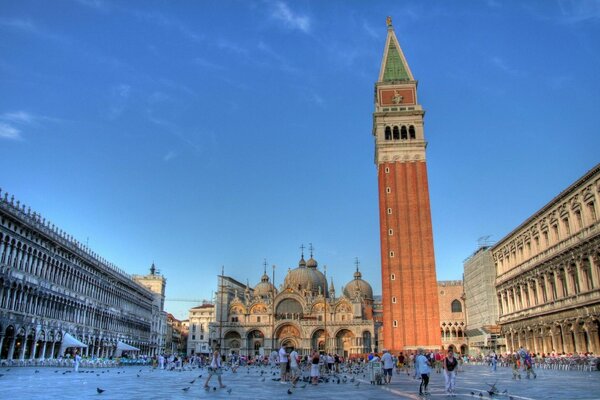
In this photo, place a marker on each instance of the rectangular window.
(579, 219)
(395, 324)
(555, 231)
(393, 277)
(592, 211)
(388, 189)
(193, 337)
(201, 337)
(567, 226)
(390, 232)
(389, 210)
(387, 170)
(394, 299)
(391, 254)
(257, 319)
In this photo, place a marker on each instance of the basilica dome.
(306, 278)
(264, 288)
(358, 285)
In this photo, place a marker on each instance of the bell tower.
(409, 285)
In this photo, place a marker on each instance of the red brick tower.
(410, 300)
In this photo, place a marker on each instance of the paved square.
(147, 383)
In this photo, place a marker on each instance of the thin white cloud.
(119, 100)
(18, 116)
(575, 11)
(9, 132)
(207, 64)
(318, 100)
(29, 27)
(22, 119)
(19, 24)
(231, 46)
(283, 13)
(166, 22)
(169, 156)
(371, 31)
(503, 66)
(280, 61)
(96, 4)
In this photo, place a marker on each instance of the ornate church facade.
(304, 314)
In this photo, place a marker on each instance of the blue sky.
(197, 134)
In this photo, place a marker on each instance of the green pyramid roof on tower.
(394, 69)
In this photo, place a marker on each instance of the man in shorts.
(294, 367)
(283, 364)
(388, 366)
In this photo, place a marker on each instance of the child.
(515, 366)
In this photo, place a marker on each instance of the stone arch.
(456, 306)
(289, 308)
(232, 341)
(317, 339)
(344, 339)
(255, 340)
(259, 308)
(9, 335)
(366, 339)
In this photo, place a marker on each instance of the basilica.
(304, 313)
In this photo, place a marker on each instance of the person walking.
(422, 370)
(449, 364)
(215, 368)
(314, 367)
(388, 367)
(283, 364)
(77, 360)
(294, 367)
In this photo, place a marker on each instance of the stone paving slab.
(247, 383)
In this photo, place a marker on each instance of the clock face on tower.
(391, 97)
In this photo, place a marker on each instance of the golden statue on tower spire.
(388, 20)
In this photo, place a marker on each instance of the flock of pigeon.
(348, 375)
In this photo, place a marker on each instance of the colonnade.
(550, 283)
(571, 336)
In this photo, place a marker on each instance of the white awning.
(124, 346)
(70, 341)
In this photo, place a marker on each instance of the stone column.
(595, 267)
(558, 284)
(556, 343)
(539, 282)
(592, 332)
(567, 339)
(34, 349)
(11, 348)
(578, 346)
(521, 291)
(23, 348)
(43, 353)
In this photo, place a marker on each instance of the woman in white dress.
(215, 369)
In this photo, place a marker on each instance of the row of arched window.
(72, 273)
(400, 133)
